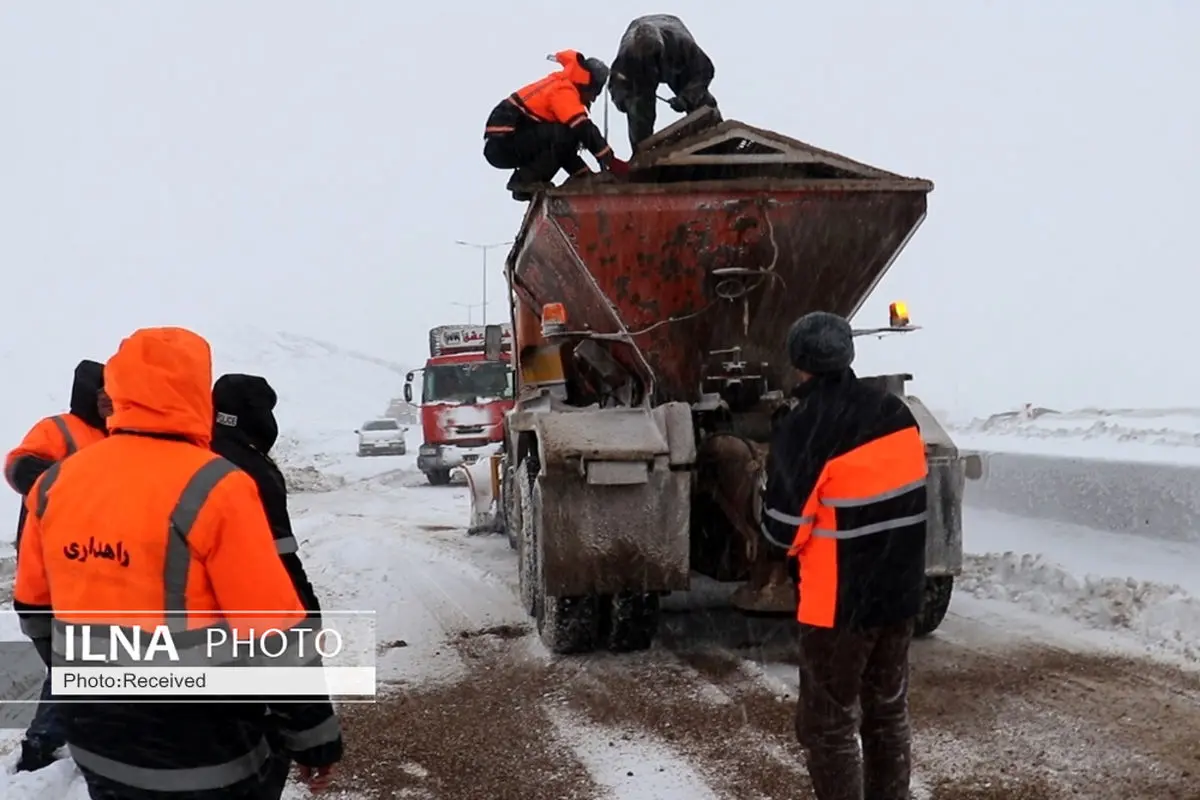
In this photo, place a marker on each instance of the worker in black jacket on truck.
(658, 48)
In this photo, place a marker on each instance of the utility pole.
(468, 307)
(483, 248)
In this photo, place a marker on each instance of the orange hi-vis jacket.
(846, 495)
(149, 528)
(51, 439)
(555, 98)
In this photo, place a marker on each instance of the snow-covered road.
(1042, 682)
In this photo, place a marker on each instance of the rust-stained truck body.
(649, 319)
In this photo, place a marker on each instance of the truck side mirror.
(493, 336)
(356, 430)
(408, 390)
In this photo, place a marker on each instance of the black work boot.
(523, 187)
(35, 755)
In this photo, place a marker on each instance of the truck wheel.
(438, 477)
(934, 604)
(509, 506)
(632, 622)
(566, 625)
(527, 566)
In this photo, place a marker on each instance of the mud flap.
(616, 500)
(947, 480)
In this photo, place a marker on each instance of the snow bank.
(1058, 570)
(1154, 435)
(1163, 617)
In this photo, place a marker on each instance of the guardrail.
(1160, 501)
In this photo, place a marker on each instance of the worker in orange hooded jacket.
(151, 520)
(49, 441)
(538, 129)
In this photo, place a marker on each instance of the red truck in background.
(464, 397)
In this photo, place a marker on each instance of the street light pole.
(484, 249)
(468, 307)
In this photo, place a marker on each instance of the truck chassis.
(634, 453)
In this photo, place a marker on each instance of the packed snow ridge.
(1161, 616)
(1178, 427)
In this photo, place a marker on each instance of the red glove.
(618, 167)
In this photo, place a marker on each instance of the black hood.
(244, 407)
(85, 393)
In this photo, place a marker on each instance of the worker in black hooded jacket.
(658, 48)
(244, 431)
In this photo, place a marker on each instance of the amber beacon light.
(554, 319)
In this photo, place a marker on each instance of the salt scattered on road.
(630, 766)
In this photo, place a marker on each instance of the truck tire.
(632, 622)
(934, 604)
(527, 566)
(438, 477)
(566, 625)
(509, 507)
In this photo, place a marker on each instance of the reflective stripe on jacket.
(555, 98)
(846, 495)
(52, 439)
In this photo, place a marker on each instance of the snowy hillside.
(324, 391)
(1170, 434)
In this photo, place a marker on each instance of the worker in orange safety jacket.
(49, 441)
(54, 438)
(538, 129)
(152, 521)
(846, 497)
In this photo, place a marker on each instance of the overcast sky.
(308, 165)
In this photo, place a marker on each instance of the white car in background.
(382, 437)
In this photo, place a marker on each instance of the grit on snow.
(1066, 667)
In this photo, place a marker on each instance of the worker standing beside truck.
(656, 49)
(846, 496)
(538, 129)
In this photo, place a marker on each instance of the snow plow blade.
(481, 482)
